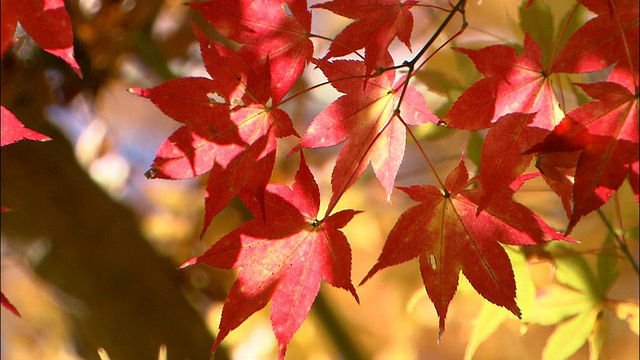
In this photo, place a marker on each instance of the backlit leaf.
(448, 237)
(13, 130)
(570, 336)
(283, 259)
(364, 118)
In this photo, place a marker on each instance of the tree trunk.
(131, 298)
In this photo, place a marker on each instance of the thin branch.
(410, 65)
(462, 29)
(459, 7)
(411, 69)
(620, 242)
(431, 166)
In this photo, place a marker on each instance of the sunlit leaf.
(491, 316)
(626, 311)
(596, 338)
(557, 303)
(607, 261)
(569, 336)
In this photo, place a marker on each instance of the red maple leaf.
(558, 171)
(283, 258)
(515, 85)
(9, 22)
(230, 128)
(447, 235)
(512, 83)
(501, 160)
(364, 118)
(271, 29)
(605, 131)
(376, 24)
(13, 130)
(610, 38)
(46, 21)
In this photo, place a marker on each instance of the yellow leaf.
(557, 303)
(627, 311)
(569, 336)
(490, 317)
(596, 338)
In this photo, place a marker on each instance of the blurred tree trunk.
(131, 298)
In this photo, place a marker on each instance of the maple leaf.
(46, 21)
(229, 130)
(13, 130)
(491, 317)
(376, 24)
(364, 118)
(277, 30)
(558, 171)
(512, 83)
(605, 131)
(610, 38)
(515, 85)
(9, 22)
(501, 160)
(447, 235)
(575, 304)
(283, 259)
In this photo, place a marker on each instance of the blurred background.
(90, 248)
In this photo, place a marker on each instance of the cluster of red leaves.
(232, 119)
(449, 234)
(230, 126)
(363, 119)
(283, 258)
(48, 23)
(231, 122)
(584, 155)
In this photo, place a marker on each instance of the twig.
(620, 242)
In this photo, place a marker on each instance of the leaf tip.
(9, 306)
(140, 92)
(482, 204)
(295, 150)
(353, 292)
(151, 173)
(515, 310)
(282, 350)
(188, 263)
(370, 274)
(215, 345)
(518, 314)
(572, 223)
